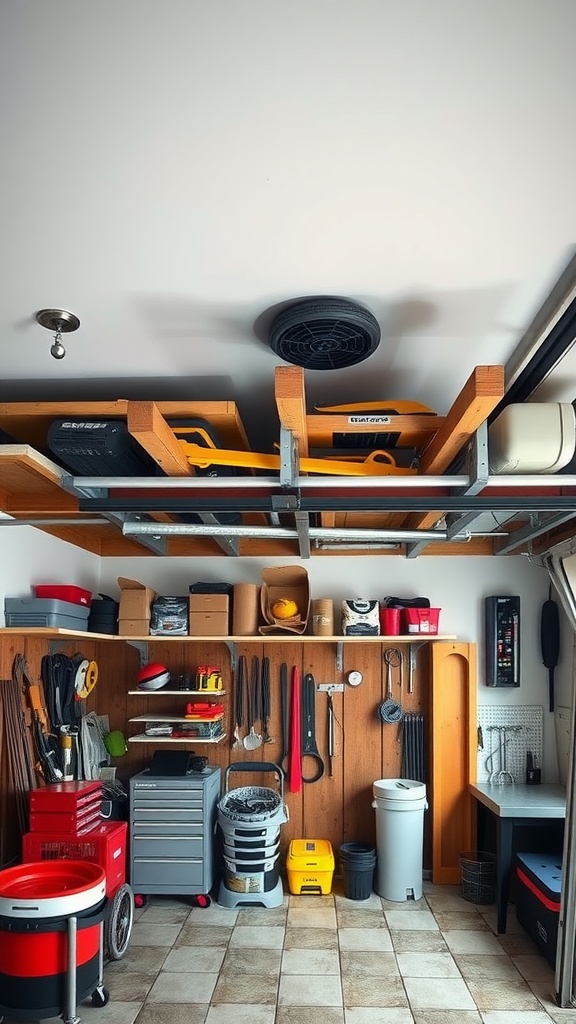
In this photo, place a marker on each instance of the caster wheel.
(202, 901)
(120, 920)
(140, 900)
(100, 996)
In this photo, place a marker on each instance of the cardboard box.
(285, 581)
(208, 624)
(133, 627)
(135, 600)
(208, 603)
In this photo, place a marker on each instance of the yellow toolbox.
(310, 866)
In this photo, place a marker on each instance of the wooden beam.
(477, 399)
(147, 426)
(290, 398)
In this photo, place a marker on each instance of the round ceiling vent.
(324, 334)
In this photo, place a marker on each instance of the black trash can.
(358, 861)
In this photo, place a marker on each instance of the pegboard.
(523, 724)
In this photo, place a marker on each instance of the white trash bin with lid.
(399, 806)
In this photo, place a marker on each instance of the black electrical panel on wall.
(502, 641)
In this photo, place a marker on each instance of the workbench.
(514, 806)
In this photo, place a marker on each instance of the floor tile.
(480, 965)
(129, 987)
(113, 1013)
(408, 905)
(235, 1013)
(246, 988)
(302, 1015)
(533, 967)
(313, 938)
(447, 1017)
(356, 918)
(182, 988)
(452, 921)
(502, 995)
(387, 991)
(154, 934)
(373, 902)
(424, 921)
(311, 917)
(378, 1015)
(310, 961)
(516, 1017)
(142, 959)
(165, 915)
(438, 994)
(447, 904)
(512, 925)
(313, 900)
(517, 944)
(418, 942)
(262, 915)
(249, 961)
(427, 965)
(473, 942)
(173, 1013)
(257, 938)
(204, 935)
(214, 914)
(309, 990)
(195, 959)
(360, 964)
(365, 938)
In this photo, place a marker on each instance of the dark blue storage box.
(539, 883)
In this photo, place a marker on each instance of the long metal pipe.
(305, 483)
(285, 533)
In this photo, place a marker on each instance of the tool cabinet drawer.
(159, 829)
(192, 800)
(167, 814)
(167, 846)
(167, 870)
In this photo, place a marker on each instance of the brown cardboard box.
(208, 623)
(285, 581)
(208, 603)
(135, 599)
(133, 627)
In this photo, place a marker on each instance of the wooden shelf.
(174, 718)
(74, 634)
(142, 738)
(177, 693)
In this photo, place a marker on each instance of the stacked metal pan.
(250, 818)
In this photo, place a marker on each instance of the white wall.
(28, 556)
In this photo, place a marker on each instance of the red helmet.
(153, 676)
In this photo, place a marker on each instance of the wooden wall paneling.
(364, 741)
(322, 799)
(453, 756)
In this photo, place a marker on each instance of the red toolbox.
(65, 796)
(67, 822)
(105, 845)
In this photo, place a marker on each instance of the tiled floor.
(329, 960)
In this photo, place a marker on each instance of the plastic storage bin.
(357, 861)
(539, 878)
(64, 592)
(421, 620)
(310, 866)
(45, 611)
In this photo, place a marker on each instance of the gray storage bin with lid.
(45, 612)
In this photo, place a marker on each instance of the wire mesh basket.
(478, 876)
(251, 804)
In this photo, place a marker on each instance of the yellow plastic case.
(310, 866)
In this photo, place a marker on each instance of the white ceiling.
(170, 170)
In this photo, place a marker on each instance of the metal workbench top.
(521, 801)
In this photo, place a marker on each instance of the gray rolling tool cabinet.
(172, 834)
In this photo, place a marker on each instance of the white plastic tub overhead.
(535, 437)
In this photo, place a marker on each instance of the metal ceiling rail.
(81, 484)
(135, 529)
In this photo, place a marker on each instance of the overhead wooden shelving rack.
(288, 503)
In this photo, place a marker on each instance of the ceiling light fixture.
(61, 321)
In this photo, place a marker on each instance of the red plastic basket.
(421, 620)
(105, 845)
(64, 592)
